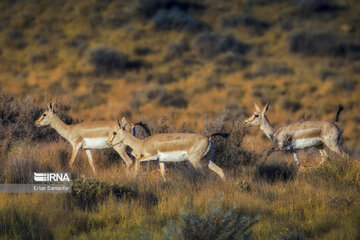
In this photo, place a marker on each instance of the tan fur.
(193, 144)
(289, 136)
(76, 134)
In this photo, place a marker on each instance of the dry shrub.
(210, 45)
(176, 19)
(14, 38)
(276, 171)
(255, 26)
(323, 43)
(216, 222)
(148, 8)
(17, 120)
(228, 153)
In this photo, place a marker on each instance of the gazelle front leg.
(76, 148)
(90, 159)
(121, 150)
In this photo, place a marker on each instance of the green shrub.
(88, 193)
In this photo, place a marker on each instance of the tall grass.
(288, 202)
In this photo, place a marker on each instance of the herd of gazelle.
(192, 147)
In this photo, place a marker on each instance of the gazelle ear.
(266, 107)
(257, 107)
(51, 107)
(123, 121)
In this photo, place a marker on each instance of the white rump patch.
(176, 156)
(304, 143)
(95, 143)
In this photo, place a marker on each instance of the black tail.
(224, 135)
(145, 126)
(341, 107)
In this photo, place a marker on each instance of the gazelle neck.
(133, 142)
(267, 128)
(60, 126)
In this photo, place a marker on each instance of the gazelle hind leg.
(218, 170)
(338, 150)
(162, 170)
(90, 159)
(296, 157)
(324, 155)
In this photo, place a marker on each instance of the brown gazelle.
(169, 147)
(300, 135)
(86, 135)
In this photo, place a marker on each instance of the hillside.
(186, 59)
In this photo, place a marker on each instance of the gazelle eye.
(256, 115)
(44, 115)
(114, 133)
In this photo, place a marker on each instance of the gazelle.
(86, 135)
(169, 147)
(300, 135)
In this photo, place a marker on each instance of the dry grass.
(276, 200)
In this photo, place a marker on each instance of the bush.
(307, 7)
(107, 60)
(230, 63)
(167, 99)
(266, 69)
(165, 78)
(174, 99)
(209, 45)
(215, 223)
(176, 50)
(78, 40)
(89, 193)
(287, 104)
(254, 25)
(114, 21)
(276, 171)
(17, 120)
(38, 58)
(14, 38)
(148, 8)
(176, 19)
(343, 83)
(142, 51)
(228, 153)
(324, 43)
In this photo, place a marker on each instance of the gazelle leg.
(218, 170)
(296, 157)
(90, 159)
(121, 150)
(337, 149)
(76, 148)
(162, 170)
(324, 155)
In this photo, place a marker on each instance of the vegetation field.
(180, 66)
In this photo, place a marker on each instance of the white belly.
(177, 156)
(95, 143)
(304, 143)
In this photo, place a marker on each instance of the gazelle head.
(46, 117)
(258, 117)
(117, 136)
